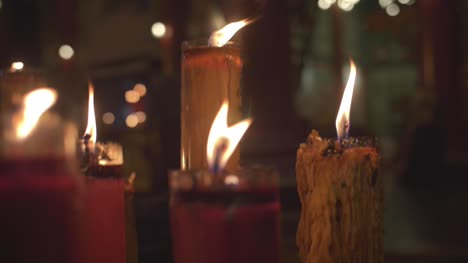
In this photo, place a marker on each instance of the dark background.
(411, 92)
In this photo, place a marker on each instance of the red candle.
(224, 222)
(104, 220)
(109, 230)
(39, 189)
(40, 204)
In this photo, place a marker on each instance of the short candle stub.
(339, 179)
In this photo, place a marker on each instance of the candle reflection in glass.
(222, 215)
(211, 74)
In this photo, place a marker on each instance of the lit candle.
(39, 185)
(211, 74)
(224, 216)
(341, 194)
(109, 225)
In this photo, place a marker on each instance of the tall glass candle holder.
(40, 194)
(225, 217)
(210, 75)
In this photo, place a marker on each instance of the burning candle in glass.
(211, 74)
(109, 223)
(341, 194)
(222, 215)
(39, 184)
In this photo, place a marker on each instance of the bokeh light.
(108, 118)
(323, 4)
(345, 5)
(132, 96)
(158, 30)
(384, 3)
(141, 116)
(140, 88)
(17, 66)
(66, 52)
(392, 10)
(131, 120)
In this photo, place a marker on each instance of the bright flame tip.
(220, 37)
(91, 128)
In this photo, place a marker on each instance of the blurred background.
(411, 92)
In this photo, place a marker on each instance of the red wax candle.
(40, 204)
(234, 223)
(104, 220)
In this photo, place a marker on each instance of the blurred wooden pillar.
(268, 89)
(337, 26)
(175, 15)
(20, 32)
(440, 53)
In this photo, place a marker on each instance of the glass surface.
(225, 217)
(210, 75)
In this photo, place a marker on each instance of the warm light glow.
(35, 103)
(392, 10)
(140, 88)
(324, 4)
(345, 5)
(384, 3)
(231, 180)
(217, 18)
(131, 96)
(342, 119)
(141, 116)
(221, 37)
(17, 66)
(91, 128)
(66, 52)
(131, 120)
(113, 154)
(223, 140)
(108, 118)
(158, 30)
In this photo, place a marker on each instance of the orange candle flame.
(221, 37)
(91, 129)
(35, 103)
(223, 140)
(342, 119)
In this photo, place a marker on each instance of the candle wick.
(219, 151)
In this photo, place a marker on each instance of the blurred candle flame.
(91, 129)
(221, 37)
(223, 140)
(342, 119)
(35, 103)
